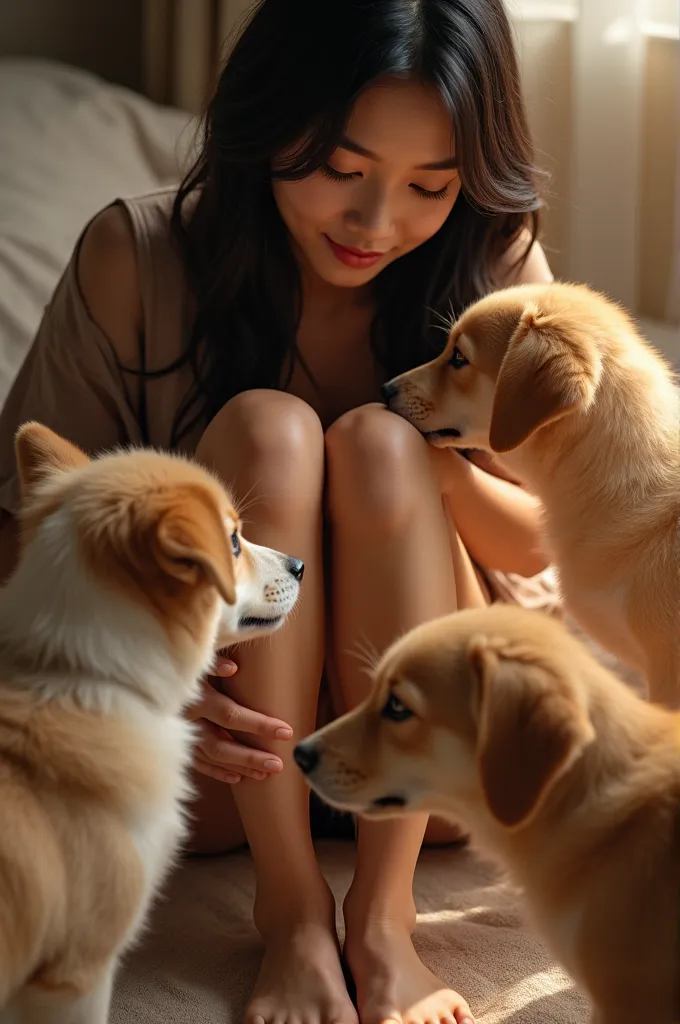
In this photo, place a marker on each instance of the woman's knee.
(378, 468)
(270, 442)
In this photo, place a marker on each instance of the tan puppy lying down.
(558, 381)
(499, 717)
(132, 572)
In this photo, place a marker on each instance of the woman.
(365, 171)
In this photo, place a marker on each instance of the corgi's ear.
(40, 453)
(530, 730)
(551, 368)
(191, 544)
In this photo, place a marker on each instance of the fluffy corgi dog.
(557, 381)
(500, 718)
(132, 573)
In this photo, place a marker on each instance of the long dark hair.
(288, 86)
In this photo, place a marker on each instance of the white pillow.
(69, 144)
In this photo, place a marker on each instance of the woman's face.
(387, 188)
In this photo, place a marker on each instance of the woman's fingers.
(224, 668)
(215, 772)
(225, 712)
(219, 748)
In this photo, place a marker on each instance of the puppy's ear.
(550, 369)
(191, 544)
(40, 453)
(530, 730)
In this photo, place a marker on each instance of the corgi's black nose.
(388, 392)
(306, 757)
(296, 568)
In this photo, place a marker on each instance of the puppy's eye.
(236, 544)
(395, 710)
(458, 360)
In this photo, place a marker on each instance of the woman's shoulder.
(129, 270)
(108, 279)
(523, 262)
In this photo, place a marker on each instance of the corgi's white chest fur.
(158, 832)
(121, 665)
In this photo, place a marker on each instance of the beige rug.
(200, 960)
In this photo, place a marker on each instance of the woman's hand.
(217, 754)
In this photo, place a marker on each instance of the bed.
(71, 143)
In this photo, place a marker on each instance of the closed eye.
(426, 193)
(458, 360)
(330, 172)
(395, 710)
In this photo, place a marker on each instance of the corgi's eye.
(458, 360)
(236, 544)
(395, 710)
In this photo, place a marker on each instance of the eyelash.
(333, 175)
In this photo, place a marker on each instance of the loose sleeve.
(70, 381)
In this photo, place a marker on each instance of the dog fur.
(498, 717)
(556, 380)
(129, 578)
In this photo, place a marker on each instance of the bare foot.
(301, 979)
(394, 985)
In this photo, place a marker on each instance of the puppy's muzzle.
(296, 568)
(306, 757)
(388, 392)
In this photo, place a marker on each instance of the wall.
(104, 37)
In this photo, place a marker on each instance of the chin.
(238, 630)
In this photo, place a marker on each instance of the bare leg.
(269, 446)
(393, 569)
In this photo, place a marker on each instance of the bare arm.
(498, 522)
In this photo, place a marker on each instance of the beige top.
(72, 382)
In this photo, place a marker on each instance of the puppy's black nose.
(306, 757)
(389, 391)
(296, 568)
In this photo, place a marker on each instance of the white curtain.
(617, 151)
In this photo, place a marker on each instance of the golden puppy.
(498, 717)
(557, 381)
(132, 572)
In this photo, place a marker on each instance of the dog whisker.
(366, 653)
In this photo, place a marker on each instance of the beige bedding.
(70, 144)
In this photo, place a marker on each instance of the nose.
(374, 213)
(296, 568)
(306, 757)
(389, 391)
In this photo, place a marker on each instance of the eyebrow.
(437, 165)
